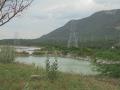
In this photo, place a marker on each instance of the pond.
(66, 65)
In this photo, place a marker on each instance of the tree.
(10, 8)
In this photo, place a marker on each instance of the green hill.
(100, 29)
(101, 26)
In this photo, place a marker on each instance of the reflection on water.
(65, 64)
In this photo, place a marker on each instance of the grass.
(17, 77)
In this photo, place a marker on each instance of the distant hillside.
(103, 25)
(100, 29)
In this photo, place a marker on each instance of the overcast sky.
(43, 16)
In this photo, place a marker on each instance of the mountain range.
(101, 26)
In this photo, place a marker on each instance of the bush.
(112, 70)
(7, 54)
(107, 62)
(41, 53)
(51, 69)
(108, 65)
(108, 55)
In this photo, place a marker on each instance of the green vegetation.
(73, 51)
(108, 65)
(40, 53)
(22, 53)
(108, 54)
(7, 54)
(14, 76)
(101, 53)
(52, 70)
(112, 70)
(17, 77)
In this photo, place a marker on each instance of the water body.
(66, 65)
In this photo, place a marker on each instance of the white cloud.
(109, 4)
(108, 1)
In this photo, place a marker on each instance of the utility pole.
(16, 37)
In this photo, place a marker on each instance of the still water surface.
(67, 65)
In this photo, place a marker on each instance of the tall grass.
(7, 54)
(17, 77)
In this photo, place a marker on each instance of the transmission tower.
(16, 37)
(73, 38)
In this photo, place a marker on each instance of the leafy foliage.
(110, 68)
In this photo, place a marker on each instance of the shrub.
(112, 70)
(7, 54)
(107, 67)
(51, 69)
(107, 62)
(41, 53)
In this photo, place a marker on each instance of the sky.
(44, 16)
